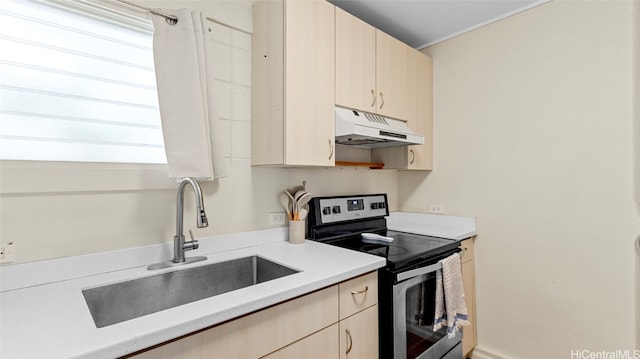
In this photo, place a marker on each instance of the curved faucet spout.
(201, 216)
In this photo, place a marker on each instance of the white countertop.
(435, 225)
(43, 313)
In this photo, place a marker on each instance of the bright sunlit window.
(77, 84)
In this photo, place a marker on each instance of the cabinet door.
(467, 253)
(420, 109)
(267, 84)
(323, 344)
(309, 83)
(468, 280)
(359, 335)
(355, 63)
(391, 76)
(419, 118)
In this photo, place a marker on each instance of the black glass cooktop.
(406, 249)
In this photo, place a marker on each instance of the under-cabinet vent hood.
(357, 128)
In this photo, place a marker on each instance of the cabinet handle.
(330, 149)
(373, 96)
(354, 292)
(463, 252)
(413, 156)
(349, 341)
(381, 100)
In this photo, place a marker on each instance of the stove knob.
(374, 206)
(382, 205)
(326, 210)
(336, 209)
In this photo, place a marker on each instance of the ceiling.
(421, 23)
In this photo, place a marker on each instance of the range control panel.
(346, 208)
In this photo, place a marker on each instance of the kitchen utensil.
(292, 203)
(290, 195)
(286, 204)
(298, 194)
(297, 205)
(303, 200)
(302, 214)
(295, 189)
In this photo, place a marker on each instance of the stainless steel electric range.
(406, 288)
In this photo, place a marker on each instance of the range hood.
(363, 129)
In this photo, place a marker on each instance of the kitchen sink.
(115, 303)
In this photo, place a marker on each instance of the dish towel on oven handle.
(450, 311)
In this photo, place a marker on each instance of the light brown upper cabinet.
(391, 76)
(355, 63)
(370, 68)
(419, 117)
(293, 57)
(420, 109)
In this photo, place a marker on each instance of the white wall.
(532, 126)
(62, 210)
(636, 97)
(236, 13)
(636, 159)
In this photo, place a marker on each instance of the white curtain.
(190, 125)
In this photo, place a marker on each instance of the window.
(77, 84)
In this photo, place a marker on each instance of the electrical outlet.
(7, 252)
(277, 218)
(436, 209)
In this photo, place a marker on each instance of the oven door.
(414, 308)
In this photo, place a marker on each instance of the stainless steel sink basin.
(115, 303)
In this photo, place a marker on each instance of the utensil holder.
(296, 231)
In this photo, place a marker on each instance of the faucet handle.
(191, 245)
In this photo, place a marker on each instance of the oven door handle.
(418, 272)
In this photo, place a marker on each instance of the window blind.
(77, 84)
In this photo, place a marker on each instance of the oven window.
(420, 311)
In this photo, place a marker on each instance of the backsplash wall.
(65, 223)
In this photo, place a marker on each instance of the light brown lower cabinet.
(359, 335)
(469, 282)
(355, 337)
(307, 324)
(358, 339)
(323, 344)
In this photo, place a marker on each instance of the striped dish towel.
(451, 311)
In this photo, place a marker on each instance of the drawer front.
(256, 334)
(467, 253)
(358, 293)
(323, 344)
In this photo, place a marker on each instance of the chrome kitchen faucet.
(179, 244)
